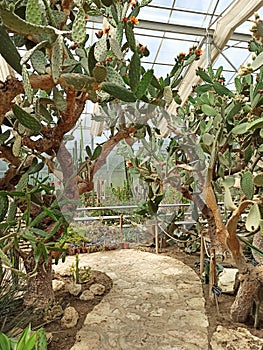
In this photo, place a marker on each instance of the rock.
(87, 295)
(227, 280)
(97, 288)
(235, 339)
(49, 337)
(57, 285)
(70, 318)
(74, 289)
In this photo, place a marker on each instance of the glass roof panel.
(193, 4)
(167, 3)
(155, 14)
(152, 43)
(190, 13)
(190, 18)
(169, 49)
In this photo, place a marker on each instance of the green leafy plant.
(26, 341)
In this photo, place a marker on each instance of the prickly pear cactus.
(33, 12)
(79, 27)
(57, 57)
(247, 184)
(100, 73)
(39, 62)
(3, 206)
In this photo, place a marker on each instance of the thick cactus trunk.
(40, 294)
(249, 290)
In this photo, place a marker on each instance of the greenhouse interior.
(131, 174)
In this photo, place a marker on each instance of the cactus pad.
(79, 27)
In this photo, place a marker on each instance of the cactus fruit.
(119, 92)
(247, 184)
(33, 12)
(26, 119)
(57, 57)
(79, 27)
(100, 73)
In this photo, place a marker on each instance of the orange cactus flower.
(198, 52)
(125, 19)
(181, 54)
(106, 30)
(134, 20)
(133, 2)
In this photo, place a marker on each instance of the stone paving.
(156, 302)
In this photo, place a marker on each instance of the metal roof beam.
(237, 14)
(178, 29)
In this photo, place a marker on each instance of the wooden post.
(156, 235)
(212, 272)
(202, 254)
(121, 224)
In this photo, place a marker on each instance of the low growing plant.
(28, 340)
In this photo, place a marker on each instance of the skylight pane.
(152, 43)
(193, 4)
(169, 50)
(154, 14)
(190, 19)
(167, 3)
